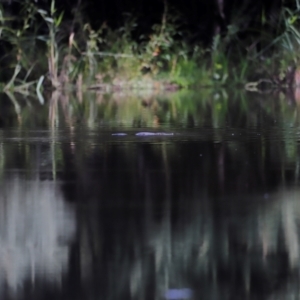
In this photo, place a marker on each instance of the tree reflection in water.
(159, 214)
(35, 228)
(245, 250)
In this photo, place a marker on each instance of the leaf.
(38, 90)
(59, 19)
(42, 12)
(167, 57)
(49, 20)
(52, 8)
(292, 19)
(42, 38)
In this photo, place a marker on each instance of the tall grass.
(46, 51)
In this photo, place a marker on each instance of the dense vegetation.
(156, 46)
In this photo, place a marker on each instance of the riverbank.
(166, 58)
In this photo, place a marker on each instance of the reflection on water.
(210, 211)
(36, 227)
(234, 254)
(277, 227)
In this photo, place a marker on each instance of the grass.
(44, 54)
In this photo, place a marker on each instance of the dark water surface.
(150, 197)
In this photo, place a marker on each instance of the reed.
(48, 50)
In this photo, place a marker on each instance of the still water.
(184, 196)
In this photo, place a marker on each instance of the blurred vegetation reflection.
(209, 212)
(35, 229)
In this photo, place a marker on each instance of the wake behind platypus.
(145, 133)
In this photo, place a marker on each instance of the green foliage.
(105, 57)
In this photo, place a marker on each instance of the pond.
(191, 195)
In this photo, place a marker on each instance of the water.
(189, 196)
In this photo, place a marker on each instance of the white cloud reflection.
(35, 227)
